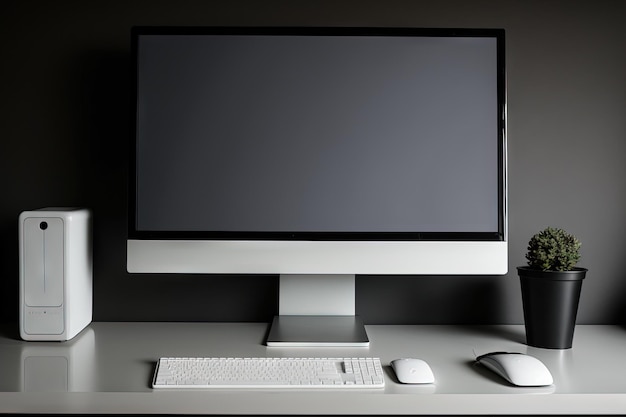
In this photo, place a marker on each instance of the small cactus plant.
(553, 249)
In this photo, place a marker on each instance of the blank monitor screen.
(320, 134)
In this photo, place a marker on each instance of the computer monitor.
(318, 154)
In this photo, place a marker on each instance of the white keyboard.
(302, 373)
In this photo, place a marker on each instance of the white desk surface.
(108, 368)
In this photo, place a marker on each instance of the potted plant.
(551, 285)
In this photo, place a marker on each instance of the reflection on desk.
(59, 366)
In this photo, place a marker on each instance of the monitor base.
(317, 331)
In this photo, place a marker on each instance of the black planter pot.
(550, 300)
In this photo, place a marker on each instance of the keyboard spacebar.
(250, 383)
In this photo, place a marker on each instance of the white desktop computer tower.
(55, 273)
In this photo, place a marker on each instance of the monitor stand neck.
(317, 310)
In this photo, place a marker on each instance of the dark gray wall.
(64, 131)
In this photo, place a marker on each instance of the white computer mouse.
(517, 368)
(412, 371)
